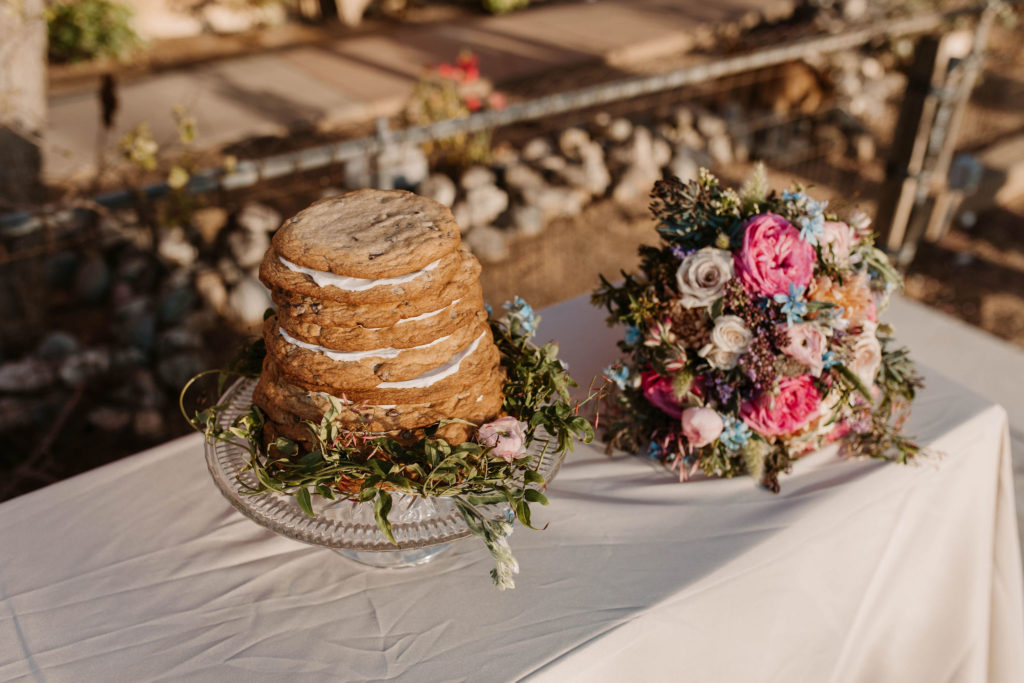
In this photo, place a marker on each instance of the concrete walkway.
(372, 74)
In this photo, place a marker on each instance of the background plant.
(82, 30)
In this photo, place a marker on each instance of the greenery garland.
(355, 465)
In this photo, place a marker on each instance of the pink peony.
(796, 404)
(773, 256)
(807, 345)
(658, 391)
(505, 436)
(701, 426)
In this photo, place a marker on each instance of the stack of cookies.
(379, 305)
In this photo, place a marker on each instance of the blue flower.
(654, 450)
(792, 304)
(633, 335)
(510, 516)
(490, 311)
(811, 228)
(828, 359)
(735, 433)
(619, 375)
(520, 311)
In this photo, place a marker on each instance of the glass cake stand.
(423, 527)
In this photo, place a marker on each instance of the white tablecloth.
(857, 571)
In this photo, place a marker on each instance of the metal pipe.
(249, 173)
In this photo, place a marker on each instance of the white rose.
(867, 356)
(730, 339)
(702, 276)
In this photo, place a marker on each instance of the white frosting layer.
(354, 284)
(422, 316)
(351, 356)
(437, 374)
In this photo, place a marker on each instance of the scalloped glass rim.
(417, 522)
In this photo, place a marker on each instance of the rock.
(438, 187)
(330, 192)
(720, 149)
(482, 206)
(463, 216)
(602, 119)
(57, 345)
(526, 220)
(476, 176)
(61, 268)
(142, 331)
(83, 366)
(553, 163)
(855, 10)
(174, 249)
(504, 155)
(872, 68)
(684, 117)
(691, 138)
(211, 289)
(536, 149)
(402, 167)
(521, 178)
(556, 202)
(596, 175)
(209, 222)
(641, 171)
(229, 271)
(175, 305)
(178, 339)
(133, 266)
(710, 125)
(176, 370)
(247, 302)
(572, 140)
(863, 145)
(26, 375)
(488, 243)
(93, 280)
(148, 424)
(619, 130)
(661, 152)
(684, 164)
(126, 358)
(109, 419)
(248, 247)
(256, 217)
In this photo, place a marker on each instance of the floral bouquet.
(499, 466)
(752, 335)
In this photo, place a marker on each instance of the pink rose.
(659, 393)
(701, 426)
(838, 238)
(773, 256)
(807, 344)
(505, 436)
(796, 404)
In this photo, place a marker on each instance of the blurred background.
(149, 149)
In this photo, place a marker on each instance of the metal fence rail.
(250, 172)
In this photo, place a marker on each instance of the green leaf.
(533, 477)
(535, 496)
(855, 382)
(302, 497)
(381, 509)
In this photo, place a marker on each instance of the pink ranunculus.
(838, 238)
(505, 436)
(807, 345)
(796, 404)
(701, 426)
(658, 391)
(773, 256)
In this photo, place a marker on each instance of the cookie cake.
(378, 305)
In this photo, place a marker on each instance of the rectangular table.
(857, 571)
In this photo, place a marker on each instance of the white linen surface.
(857, 571)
